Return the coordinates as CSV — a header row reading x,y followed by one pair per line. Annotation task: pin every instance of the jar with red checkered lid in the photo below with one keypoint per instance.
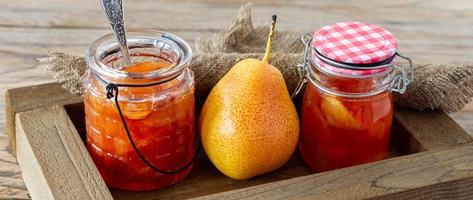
x,y
347,108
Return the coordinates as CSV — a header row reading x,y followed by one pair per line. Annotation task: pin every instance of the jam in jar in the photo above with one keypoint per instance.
x,y
347,108
159,116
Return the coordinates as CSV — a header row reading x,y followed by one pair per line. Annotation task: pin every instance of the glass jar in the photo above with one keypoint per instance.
x,y
347,108
156,100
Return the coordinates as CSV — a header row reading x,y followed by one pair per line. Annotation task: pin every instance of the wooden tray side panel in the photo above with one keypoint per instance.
x,y
458,189
437,174
27,98
31,169
54,159
417,131
205,179
51,146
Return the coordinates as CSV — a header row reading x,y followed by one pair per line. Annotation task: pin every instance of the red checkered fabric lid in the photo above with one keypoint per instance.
x,y
354,43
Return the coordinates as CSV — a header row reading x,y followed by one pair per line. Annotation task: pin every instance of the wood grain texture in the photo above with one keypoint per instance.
x,y
437,174
465,119
31,97
204,178
427,130
429,31
53,158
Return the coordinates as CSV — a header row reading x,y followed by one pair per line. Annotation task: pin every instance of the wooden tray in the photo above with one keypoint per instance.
x,y
46,128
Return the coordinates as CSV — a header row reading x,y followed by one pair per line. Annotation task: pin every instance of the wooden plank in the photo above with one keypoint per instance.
x,y
415,131
53,158
436,174
464,118
188,188
211,14
11,183
31,97
415,176
193,186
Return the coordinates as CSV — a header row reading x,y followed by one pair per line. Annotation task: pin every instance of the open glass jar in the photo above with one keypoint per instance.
x,y
347,108
140,117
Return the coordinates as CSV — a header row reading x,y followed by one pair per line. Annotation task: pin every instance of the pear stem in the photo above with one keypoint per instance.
x,y
270,40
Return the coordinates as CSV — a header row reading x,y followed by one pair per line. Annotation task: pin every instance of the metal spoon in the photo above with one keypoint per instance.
x,y
114,11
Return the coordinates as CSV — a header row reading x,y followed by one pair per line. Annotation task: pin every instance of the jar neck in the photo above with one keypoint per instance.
x,y
104,58
346,82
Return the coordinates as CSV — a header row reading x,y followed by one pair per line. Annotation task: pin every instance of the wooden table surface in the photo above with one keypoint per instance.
x,y
434,31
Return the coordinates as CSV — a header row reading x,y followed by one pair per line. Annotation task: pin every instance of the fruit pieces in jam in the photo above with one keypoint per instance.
x,y
340,132
161,122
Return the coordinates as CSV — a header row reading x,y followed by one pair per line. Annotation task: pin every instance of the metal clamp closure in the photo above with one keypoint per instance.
x,y
404,77
302,68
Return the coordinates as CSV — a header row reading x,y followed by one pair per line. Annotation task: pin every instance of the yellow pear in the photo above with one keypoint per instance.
x,y
248,124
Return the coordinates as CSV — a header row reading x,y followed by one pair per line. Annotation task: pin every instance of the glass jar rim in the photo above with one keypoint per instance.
x,y
96,50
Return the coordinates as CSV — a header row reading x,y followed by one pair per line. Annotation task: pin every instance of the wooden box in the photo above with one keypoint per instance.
x,y
432,157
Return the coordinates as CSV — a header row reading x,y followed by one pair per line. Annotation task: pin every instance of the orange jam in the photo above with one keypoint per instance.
x,y
340,131
161,122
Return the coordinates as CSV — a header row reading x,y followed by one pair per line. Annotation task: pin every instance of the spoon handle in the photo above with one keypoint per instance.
x,y
114,11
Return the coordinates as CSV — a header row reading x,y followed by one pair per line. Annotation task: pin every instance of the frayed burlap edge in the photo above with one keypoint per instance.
x,y
445,87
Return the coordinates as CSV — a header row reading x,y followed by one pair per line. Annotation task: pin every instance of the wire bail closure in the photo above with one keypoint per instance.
x,y
112,91
306,38
399,83
403,79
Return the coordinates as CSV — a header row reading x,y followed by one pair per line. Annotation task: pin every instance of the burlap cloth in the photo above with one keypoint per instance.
x,y
445,87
